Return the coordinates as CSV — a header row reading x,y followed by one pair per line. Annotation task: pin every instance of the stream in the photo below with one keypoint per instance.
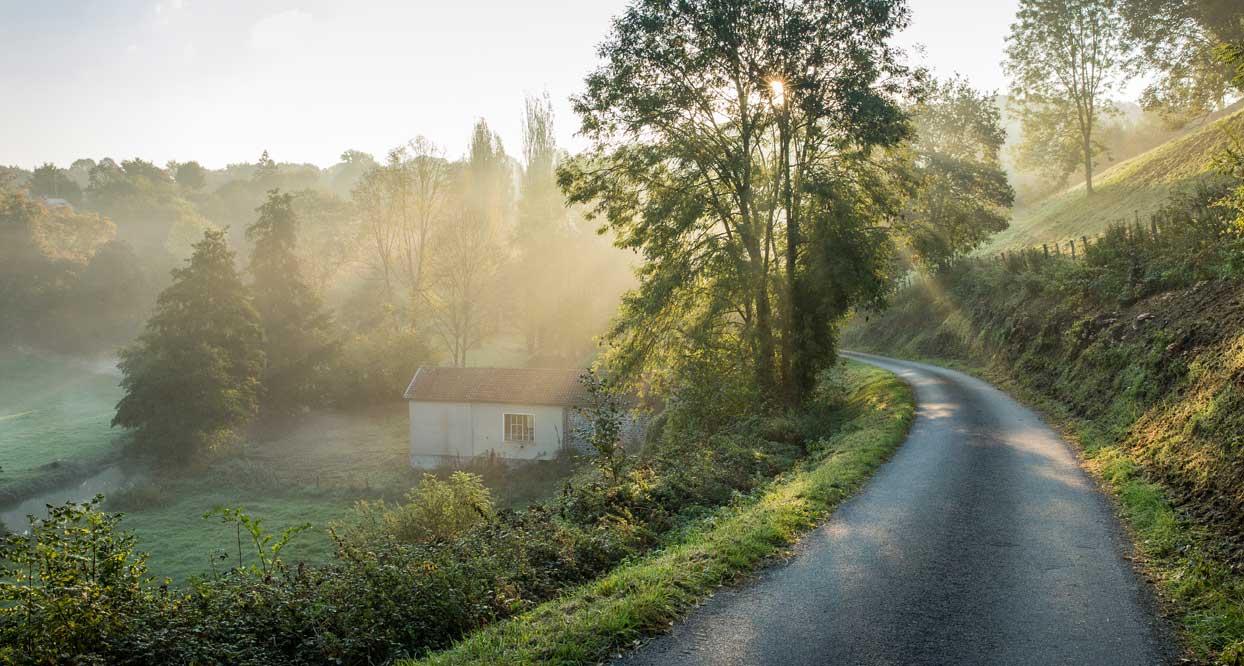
x,y
13,516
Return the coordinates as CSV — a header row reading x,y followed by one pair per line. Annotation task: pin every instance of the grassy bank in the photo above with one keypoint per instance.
x,y
643,597
1137,186
1150,389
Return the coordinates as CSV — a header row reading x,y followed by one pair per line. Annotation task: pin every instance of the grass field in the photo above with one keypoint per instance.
x,y
54,413
54,416
1136,186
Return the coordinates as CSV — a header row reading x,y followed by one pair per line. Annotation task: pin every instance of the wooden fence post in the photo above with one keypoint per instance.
x,y
1073,247
1153,226
1084,244
1046,249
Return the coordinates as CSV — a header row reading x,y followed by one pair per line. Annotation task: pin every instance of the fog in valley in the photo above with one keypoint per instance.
x,y
485,332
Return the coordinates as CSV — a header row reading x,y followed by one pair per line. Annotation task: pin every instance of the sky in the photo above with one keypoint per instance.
x,y
220,81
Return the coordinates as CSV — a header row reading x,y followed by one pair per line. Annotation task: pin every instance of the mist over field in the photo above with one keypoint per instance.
x,y
372,333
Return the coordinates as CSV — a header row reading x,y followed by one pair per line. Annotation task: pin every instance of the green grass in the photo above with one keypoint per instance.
x,y
645,596
54,420
182,543
1139,185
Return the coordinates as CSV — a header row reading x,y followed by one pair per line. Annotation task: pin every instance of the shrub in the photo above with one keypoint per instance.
x,y
434,511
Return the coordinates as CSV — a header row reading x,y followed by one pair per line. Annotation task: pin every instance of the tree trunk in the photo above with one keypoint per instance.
x,y
765,345
1088,163
791,384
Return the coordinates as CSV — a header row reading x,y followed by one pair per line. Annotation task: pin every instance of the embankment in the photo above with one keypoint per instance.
x,y
1149,378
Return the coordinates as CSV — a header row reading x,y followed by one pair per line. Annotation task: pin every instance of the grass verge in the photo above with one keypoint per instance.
x,y
643,597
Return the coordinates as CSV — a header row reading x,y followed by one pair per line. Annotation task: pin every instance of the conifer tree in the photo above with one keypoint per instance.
x,y
297,330
192,379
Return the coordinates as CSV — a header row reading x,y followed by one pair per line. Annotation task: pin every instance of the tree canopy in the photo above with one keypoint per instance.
x,y
192,380
961,195
1064,58
732,148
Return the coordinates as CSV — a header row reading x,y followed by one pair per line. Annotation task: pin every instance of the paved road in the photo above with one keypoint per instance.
x,y
981,542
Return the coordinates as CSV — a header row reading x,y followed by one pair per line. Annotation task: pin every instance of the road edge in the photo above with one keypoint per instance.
x,y
644,598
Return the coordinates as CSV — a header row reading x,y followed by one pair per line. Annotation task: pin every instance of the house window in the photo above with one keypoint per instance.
x,y
520,428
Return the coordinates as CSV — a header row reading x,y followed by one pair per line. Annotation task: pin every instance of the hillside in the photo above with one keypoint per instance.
x,y
1138,185
1138,352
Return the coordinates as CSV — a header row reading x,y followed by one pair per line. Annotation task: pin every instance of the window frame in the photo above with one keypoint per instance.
x,y
505,427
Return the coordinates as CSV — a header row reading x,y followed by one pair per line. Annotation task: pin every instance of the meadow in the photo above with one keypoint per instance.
x,y
54,416
311,469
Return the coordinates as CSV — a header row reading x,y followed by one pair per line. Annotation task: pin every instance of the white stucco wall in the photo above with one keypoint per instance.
x,y
443,431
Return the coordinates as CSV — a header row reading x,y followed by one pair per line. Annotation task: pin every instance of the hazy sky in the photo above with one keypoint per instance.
x,y
221,80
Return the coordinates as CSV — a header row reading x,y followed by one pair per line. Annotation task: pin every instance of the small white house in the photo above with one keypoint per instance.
x,y
512,413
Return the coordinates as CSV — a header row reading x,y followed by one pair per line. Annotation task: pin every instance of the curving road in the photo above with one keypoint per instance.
x,y
981,542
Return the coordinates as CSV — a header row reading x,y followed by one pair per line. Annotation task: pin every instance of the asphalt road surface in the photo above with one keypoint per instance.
x,y
981,542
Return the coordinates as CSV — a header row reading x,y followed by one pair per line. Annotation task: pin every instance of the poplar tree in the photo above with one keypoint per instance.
x,y
297,330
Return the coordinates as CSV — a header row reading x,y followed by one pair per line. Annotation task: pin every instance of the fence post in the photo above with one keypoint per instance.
x,y
1073,247
1046,249
1153,226
1084,244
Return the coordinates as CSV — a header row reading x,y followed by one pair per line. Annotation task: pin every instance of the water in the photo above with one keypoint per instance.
x,y
13,517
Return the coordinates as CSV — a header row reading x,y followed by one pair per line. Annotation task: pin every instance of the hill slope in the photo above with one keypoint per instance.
x,y
1136,186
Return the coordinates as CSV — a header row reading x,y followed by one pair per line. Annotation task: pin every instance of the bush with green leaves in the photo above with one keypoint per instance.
x,y
434,511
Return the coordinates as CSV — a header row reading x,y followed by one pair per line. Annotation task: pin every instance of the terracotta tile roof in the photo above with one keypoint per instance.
x,y
520,386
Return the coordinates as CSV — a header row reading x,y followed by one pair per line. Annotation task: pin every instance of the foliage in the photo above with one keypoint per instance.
x,y
602,428
267,546
1177,40
375,366
49,182
1231,159
147,207
193,378
435,511
52,259
1064,58
298,332
470,251
400,204
730,145
69,586
555,252
962,194
191,175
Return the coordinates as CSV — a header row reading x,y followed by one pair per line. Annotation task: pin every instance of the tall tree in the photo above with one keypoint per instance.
x,y
49,182
541,238
192,380
1064,58
730,143
961,190
469,251
43,251
191,175
400,204
468,255
297,330
1176,40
